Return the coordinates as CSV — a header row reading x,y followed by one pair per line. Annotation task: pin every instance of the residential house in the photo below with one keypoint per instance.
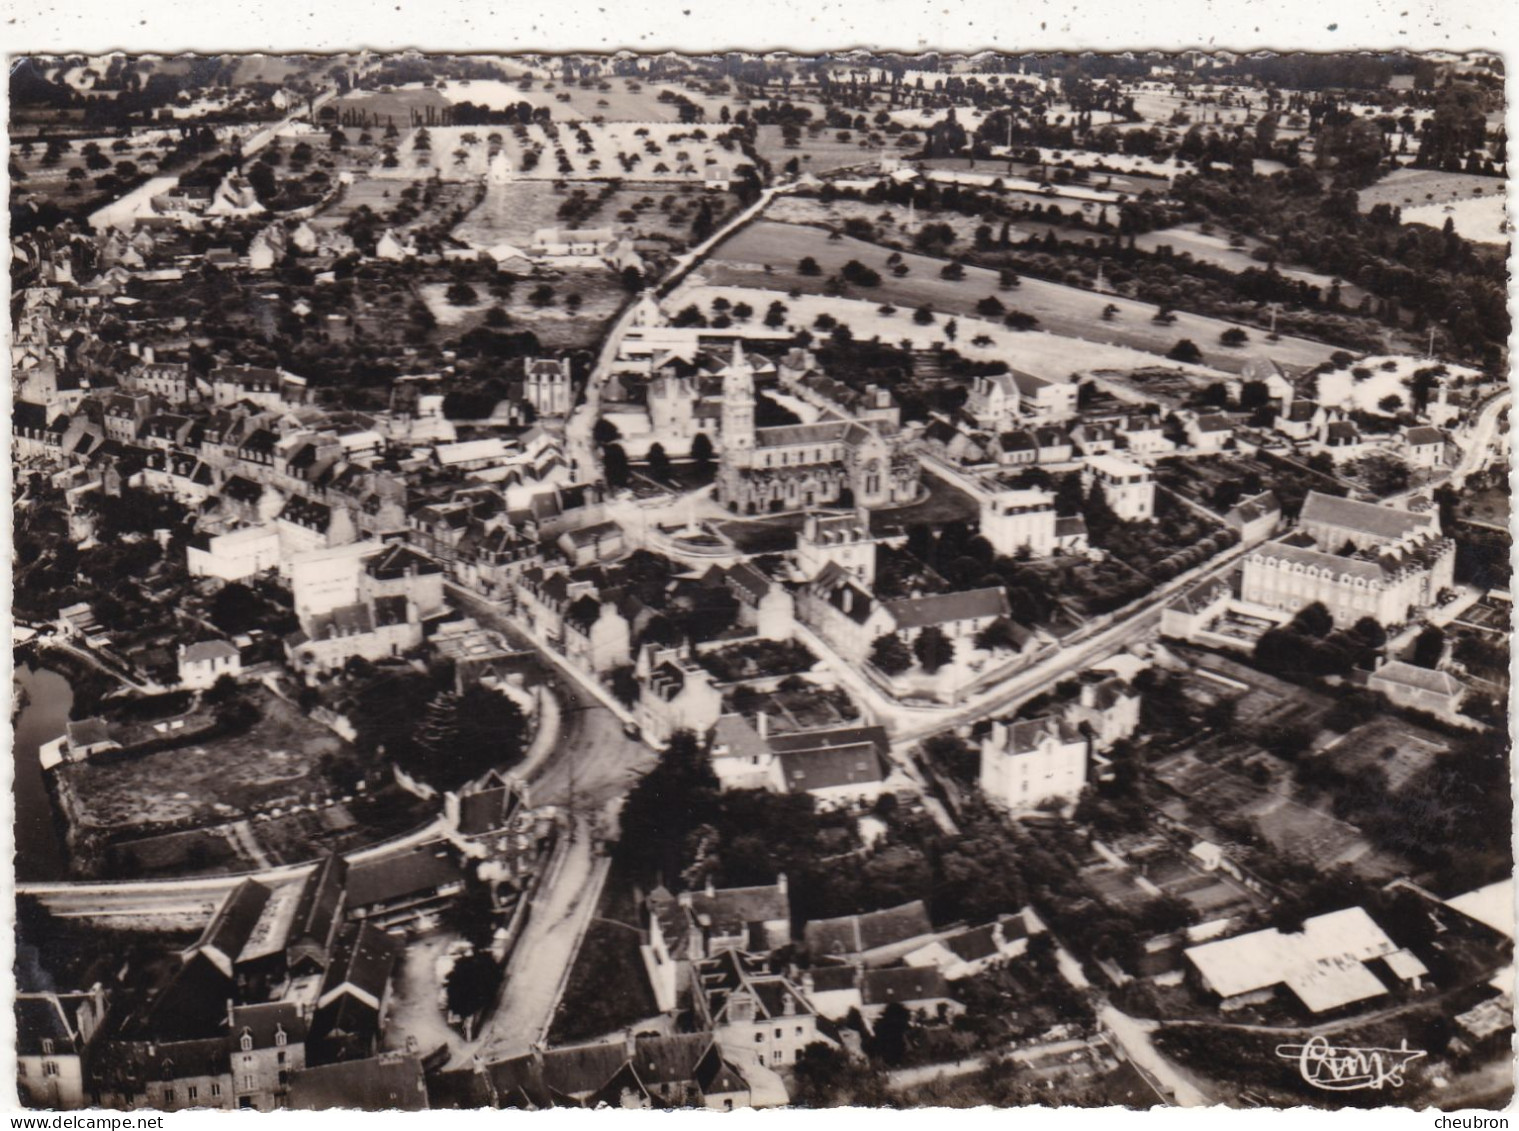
x,y
1208,432
203,663
53,1033
679,1070
1255,518
759,1018
839,766
596,635
389,1082
844,539
763,605
1015,519
674,694
600,542
548,387
973,950
1128,487
1425,447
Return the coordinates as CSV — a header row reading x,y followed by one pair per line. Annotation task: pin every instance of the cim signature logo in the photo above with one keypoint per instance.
x,y
1350,1069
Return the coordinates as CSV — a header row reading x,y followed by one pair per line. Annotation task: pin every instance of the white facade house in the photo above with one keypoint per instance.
x,y
1128,487
203,663
1015,518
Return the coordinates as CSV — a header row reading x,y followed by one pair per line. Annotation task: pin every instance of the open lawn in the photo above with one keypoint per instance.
x,y
275,762
512,211
1066,311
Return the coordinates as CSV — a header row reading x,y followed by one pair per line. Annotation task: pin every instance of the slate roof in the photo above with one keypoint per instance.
x,y
204,651
233,923
414,873
903,984
1423,679
321,899
948,608
378,1084
856,765
1386,523
1424,435
856,934
731,910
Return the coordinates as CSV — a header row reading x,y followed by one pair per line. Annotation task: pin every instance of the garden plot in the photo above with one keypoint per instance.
x,y
279,758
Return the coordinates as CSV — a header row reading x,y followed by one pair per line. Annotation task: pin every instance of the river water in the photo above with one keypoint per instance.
x,y
40,852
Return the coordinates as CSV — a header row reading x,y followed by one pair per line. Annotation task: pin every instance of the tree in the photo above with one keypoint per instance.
x,y
933,649
472,986
1185,351
923,316
541,295
808,266
1234,336
604,431
827,1076
998,634
889,1040
461,294
1390,404
701,452
615,462
1313,620
775,316
888,653
1429,647
659,462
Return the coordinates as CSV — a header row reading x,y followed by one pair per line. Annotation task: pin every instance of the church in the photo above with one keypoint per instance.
x,y
832,462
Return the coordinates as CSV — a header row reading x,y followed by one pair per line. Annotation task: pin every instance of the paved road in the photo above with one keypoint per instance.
x,y
1481,447
561,910
1133,1037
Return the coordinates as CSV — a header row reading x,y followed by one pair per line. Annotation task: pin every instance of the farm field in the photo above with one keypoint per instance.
x,y
1427,196
654,152
817,155
513,210
1061,310
1483,220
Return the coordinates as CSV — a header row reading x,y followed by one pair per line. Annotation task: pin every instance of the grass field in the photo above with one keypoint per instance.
x,y
1215,249
512,211
1061,310
1427,196
818,155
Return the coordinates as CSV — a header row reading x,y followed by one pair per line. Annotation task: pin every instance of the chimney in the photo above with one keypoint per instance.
x,y
1089,695
711,891
629,1044
780,882
135,349
999,940
808,985
147,355
789,1006
230,1009
762,725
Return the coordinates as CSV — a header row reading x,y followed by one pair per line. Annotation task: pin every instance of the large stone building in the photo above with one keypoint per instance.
x,y
800,466
1356,559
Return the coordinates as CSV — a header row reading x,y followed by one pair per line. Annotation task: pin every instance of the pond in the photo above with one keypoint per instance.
x,y
40,851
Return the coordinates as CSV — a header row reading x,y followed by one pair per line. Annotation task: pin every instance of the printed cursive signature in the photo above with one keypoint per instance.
x,y
1349,1069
